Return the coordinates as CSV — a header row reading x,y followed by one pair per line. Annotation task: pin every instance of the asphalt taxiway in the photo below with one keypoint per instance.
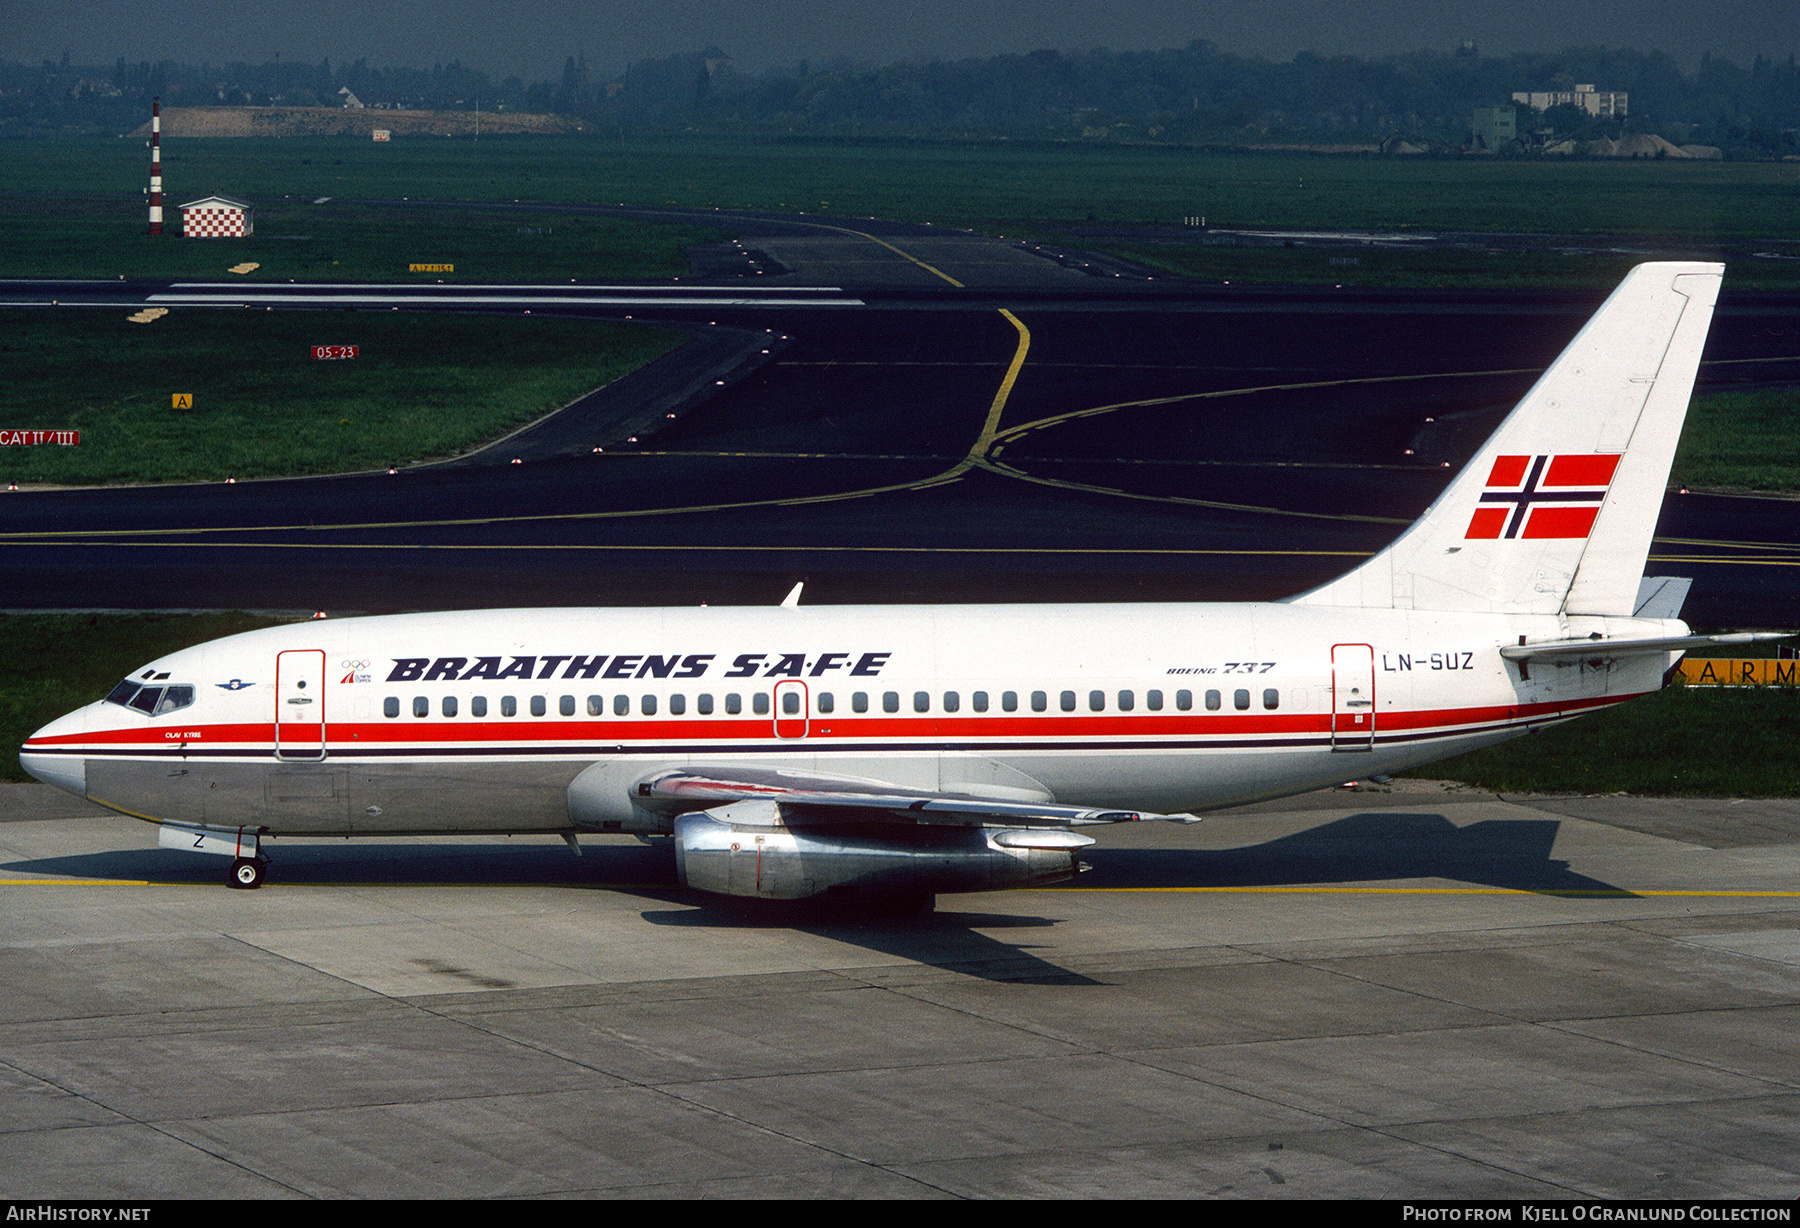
x,y
939,417
1414,994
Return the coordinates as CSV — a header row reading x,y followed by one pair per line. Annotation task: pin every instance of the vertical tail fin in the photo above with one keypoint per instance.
x,y
1556,512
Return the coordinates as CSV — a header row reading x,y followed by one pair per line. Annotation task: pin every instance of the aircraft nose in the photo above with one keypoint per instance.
x,y
45,757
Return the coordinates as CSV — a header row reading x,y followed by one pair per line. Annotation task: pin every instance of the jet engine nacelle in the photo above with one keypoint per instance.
x,y
749,849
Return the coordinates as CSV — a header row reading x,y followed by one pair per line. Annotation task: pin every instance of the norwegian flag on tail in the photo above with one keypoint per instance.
x,y
1543,496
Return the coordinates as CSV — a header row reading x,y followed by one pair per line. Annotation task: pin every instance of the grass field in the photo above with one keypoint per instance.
x,y
55,663
1681,742
1742,441
422,385
995,186
300,241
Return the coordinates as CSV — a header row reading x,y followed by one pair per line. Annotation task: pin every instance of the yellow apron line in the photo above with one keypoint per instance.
x,y
1065,484
1595,893
74,882
884,243
1619,893
1059,550
1093,411
1724,545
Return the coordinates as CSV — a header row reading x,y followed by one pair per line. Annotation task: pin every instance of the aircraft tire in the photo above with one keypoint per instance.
x,y
246,874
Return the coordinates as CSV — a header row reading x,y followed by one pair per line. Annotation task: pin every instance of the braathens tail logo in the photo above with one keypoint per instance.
x,y
1542,496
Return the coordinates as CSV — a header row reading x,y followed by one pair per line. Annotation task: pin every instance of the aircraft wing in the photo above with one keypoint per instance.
x,y
846,797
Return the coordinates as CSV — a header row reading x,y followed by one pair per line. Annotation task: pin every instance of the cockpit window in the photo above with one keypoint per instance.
x,y
151,700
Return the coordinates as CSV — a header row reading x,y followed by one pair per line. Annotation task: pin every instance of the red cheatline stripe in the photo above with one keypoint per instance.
x,y
527,732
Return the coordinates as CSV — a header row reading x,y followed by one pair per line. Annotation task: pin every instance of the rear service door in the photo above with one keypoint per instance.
x,y
1352,697
300,704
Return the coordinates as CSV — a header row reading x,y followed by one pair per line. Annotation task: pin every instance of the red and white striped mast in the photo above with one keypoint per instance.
x,y
156,166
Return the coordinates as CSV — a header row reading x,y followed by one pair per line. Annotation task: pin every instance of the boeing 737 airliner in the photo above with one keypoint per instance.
x,y
901,751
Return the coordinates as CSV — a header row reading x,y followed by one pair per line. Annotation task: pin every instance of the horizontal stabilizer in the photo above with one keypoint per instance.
x,y
1551,650
699,788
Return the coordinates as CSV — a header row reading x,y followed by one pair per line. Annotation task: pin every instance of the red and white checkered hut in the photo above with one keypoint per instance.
x,y
217,217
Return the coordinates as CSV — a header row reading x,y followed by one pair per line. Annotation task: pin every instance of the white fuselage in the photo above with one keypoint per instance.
x,y
467,722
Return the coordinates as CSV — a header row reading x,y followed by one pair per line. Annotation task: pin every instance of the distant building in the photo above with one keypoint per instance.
x,y
1608,103
351,101
217,217
1495,127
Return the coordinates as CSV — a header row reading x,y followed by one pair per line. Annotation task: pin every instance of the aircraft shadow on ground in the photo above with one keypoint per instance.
x,y
1511,854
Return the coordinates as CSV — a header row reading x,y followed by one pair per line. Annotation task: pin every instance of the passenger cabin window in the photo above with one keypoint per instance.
x,y
538,707
596,705
826,702
647,705
734,703
1127,701
478,706
1040,702
1068,701
759,703
421,706
449,705
921,701
621,705
1153,700
1240,699
952,701
509,706
859,701
1271,698
677,705
1212,701
890,701
390,706
703,704
1184,700
1009,701
1096,701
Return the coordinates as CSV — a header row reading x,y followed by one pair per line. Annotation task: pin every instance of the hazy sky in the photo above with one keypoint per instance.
x,y
530,38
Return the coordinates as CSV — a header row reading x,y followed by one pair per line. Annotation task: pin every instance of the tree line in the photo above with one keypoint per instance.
x,y
1197,94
